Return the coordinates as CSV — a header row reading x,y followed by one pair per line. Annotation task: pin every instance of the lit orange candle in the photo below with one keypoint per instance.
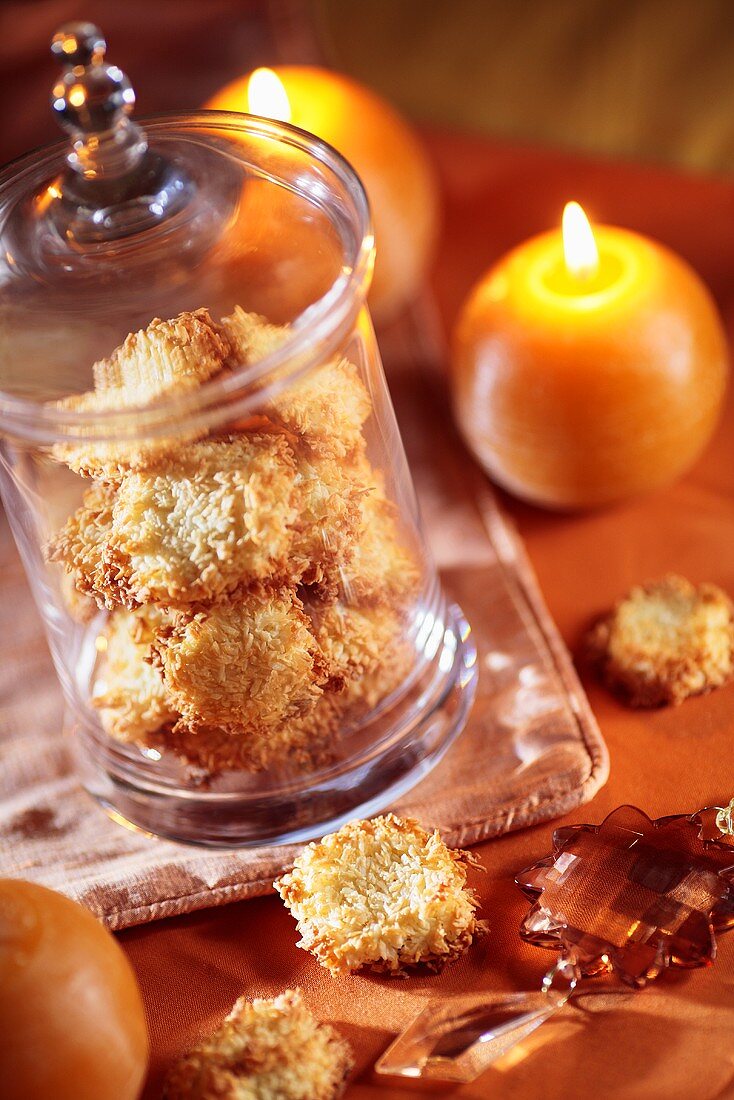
x,y
378,142
588,366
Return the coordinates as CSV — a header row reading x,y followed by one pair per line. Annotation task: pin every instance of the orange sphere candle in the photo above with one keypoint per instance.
x,y
379,143
72,1022
588,366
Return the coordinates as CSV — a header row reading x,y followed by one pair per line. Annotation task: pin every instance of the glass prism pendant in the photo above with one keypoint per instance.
x,y
629,897
457,1039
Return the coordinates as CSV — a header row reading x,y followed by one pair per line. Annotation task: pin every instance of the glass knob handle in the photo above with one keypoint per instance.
x,y
114,184
92,101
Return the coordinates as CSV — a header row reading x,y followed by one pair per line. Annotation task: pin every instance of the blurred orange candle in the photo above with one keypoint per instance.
x,y
589,366
379,144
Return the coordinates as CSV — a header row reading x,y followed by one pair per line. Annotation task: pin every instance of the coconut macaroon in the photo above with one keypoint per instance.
x,y
666,640
219,517
242,665
228,513
165,359
129,691
326,408
265,1050
382,570
381,895
136,708
80,547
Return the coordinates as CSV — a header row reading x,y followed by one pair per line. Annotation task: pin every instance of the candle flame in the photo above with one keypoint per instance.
x,y
579,246
266,96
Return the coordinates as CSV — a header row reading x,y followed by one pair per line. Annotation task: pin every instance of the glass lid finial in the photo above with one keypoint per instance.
x,y
92,101
114,185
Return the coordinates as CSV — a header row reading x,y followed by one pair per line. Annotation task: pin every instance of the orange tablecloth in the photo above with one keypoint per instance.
x,y
675,1041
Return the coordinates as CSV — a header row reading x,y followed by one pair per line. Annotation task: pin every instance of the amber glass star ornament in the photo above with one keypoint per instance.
x,y
629,896
632,895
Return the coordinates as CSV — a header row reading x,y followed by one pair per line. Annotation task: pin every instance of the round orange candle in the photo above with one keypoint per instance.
x,y
588,366
72,1021
378,142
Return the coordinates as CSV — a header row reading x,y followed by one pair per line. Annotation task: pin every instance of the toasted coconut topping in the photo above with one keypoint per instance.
x,y
166,358
326,409
383,895
666,640
382,570
357,642
130,691
81,607
265,1050
300,743
325,531
243,665
111,462
251,337
80,546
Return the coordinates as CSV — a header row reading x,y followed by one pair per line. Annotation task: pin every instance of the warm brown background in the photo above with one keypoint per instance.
x,y
649,80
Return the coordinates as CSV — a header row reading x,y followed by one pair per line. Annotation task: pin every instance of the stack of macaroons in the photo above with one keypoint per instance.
x,y
257,579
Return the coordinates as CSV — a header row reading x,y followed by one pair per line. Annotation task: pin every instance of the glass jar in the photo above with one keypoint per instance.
x,y
204,476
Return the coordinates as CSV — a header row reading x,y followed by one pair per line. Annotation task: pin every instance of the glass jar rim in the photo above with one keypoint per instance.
x,y
312,337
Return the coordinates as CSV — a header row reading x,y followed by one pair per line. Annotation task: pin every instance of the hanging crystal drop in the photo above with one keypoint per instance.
x,y
458,1039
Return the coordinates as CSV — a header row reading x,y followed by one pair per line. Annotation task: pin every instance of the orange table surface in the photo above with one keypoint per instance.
x,y
674,1041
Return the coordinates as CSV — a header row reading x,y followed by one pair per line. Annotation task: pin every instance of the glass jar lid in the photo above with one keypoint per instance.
x,y
125,223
